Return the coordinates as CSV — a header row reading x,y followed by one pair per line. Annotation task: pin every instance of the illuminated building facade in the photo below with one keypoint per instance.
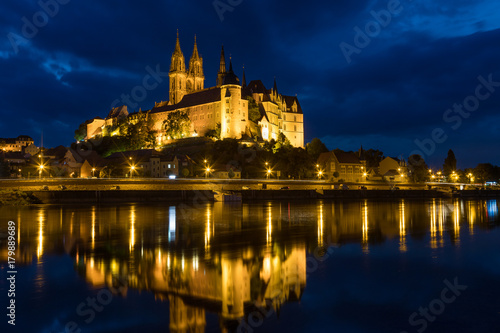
x,y
225,105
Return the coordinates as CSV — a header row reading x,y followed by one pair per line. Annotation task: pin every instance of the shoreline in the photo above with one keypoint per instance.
x,y
203,196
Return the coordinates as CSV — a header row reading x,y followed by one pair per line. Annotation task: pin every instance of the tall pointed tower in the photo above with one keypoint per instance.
x,y
222,68
244,79
177,74
195,78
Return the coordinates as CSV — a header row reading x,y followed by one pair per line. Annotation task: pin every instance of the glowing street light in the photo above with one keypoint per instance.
x,y
470,177
207,171
93,170
268,173
132,169
41,170
320,174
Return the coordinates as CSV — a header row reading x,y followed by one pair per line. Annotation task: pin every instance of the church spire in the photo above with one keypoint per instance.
x,y
177,74
275,88
196,78
222,68
178,46
244,78
195,50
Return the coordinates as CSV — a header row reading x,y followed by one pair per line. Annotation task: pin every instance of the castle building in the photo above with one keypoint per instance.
x,y
224,106
18,144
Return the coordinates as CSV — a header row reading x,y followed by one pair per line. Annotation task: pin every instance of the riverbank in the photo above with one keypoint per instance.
x,y
17,198
194,196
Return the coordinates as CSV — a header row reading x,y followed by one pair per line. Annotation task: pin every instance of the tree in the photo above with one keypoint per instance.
x,y
315,148
281,143
81,132
253,110
214,133
450,163
177,125
418,168
373,158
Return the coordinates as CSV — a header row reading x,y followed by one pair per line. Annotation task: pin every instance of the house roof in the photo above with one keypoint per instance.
x,y
91,156
391,173
346,157
324,157
197,98
58,152
13,155
115,112
289,100
342,157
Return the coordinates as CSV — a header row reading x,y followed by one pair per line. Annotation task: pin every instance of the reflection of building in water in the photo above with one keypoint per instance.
x,y
226,284
402,227
227,258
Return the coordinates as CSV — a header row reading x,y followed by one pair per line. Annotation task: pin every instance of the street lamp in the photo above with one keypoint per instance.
x,y
470,177
320,174
40,172
93,170
132,169
268,173
207,171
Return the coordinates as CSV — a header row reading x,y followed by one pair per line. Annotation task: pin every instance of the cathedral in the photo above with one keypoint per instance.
x,y
226,105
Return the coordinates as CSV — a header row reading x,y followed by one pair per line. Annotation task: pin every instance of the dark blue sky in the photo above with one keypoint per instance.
x,y
384,89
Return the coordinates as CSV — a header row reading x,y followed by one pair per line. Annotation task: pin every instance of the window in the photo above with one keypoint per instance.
x,y
169,166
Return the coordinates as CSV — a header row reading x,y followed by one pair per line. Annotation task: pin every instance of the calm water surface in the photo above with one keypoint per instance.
x,y
320,266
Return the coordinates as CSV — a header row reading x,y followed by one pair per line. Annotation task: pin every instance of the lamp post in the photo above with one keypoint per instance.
x,y
470,177
320,174
207,171
268,173
132,168
40,172
93,170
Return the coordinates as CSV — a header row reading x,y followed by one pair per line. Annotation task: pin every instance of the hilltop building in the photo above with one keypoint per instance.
x,y
224,106
16,144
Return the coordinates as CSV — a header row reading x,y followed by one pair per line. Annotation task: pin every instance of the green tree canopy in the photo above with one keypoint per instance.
x,y
450,163
177,125
81,132
315,148
418,168
282,143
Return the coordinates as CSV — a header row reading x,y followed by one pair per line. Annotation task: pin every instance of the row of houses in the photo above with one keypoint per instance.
x,y
62,161
338,165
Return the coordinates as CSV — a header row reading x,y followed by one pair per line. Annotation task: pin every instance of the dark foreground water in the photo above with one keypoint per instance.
x,y
357,266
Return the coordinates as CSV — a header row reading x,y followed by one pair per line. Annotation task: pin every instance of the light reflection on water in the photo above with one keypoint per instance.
x,y
222,258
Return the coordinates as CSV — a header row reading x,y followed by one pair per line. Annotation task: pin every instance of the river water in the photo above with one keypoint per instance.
x,y
280,266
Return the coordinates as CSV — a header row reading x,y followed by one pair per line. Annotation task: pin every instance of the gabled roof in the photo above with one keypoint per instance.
x,y
257,87
342,157
289,100
346,157
197,98
115,112
58,152
91,156
324,157
263,113
391,173
13,155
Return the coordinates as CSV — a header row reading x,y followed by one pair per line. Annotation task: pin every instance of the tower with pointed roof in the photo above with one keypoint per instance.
x,y
195,77
177,74
222,68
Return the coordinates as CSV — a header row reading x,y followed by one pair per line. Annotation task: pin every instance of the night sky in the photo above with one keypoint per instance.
x,y
383,85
